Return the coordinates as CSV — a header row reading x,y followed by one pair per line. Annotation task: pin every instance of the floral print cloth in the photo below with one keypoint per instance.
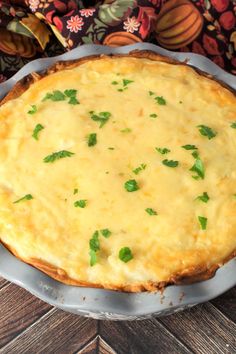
x,y
31,29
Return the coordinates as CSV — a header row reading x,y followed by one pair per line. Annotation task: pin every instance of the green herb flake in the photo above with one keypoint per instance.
x,y
55,96
195,154
160,100
180,102
189,147
151,211
126,82
126,130
204,197
70,93
203,222
75,191
101,117
111,148
151,93
33,109
198,167
57,155
93,258
26,197
92,139
94,246
73,100
140,168
106,233
162,151
206,131
36,131
80,203
153,115
170,163
233,125
131,185
125,254
120,90
115,83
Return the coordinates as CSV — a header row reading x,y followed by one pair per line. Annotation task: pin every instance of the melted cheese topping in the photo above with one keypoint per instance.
x,y
50,228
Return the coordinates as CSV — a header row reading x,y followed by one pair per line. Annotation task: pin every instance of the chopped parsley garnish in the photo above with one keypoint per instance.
x,y
94,246
189,147
131,185
198,167
80,203
153,115
206,131
125,254
33,109
111,148
203,222
170,163
26,197
139,169
106,233
57,155
126,82
162,151
151,93
115,83
204,197
160,100
195,154
126,130
101,117
233,125
62,96
75,191
151,211
36,131
92,139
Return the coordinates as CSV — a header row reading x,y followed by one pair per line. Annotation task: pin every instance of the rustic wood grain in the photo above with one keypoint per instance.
x,y
3,283
204,329
19,309
227,304
97,345
57,332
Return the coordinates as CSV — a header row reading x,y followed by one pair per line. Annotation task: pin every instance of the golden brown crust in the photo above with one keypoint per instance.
x,y
188,276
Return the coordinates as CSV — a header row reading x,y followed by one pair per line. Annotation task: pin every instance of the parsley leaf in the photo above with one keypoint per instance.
x,y
204,197
139,168
160,100
73,100
131,185
206,131
125,254
26,197
203,222
55,96
153,115
198,167
80,203
36,131
33,109
115,83
101,117
233,125
106,233
57,155
189,147
93,258
75,191
70,93
151,211
170,163
94,246
162,151
151,93
126,130
127,82
92,139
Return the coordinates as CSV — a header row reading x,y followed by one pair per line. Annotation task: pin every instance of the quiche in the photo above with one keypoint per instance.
x,y
119,172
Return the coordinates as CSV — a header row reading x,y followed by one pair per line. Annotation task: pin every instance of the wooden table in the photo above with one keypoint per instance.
x,y
30,326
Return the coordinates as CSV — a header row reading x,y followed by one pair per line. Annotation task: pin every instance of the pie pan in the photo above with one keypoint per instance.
x,y
100,303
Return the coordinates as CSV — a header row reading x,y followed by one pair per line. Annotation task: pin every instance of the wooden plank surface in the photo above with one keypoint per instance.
x,y
30,326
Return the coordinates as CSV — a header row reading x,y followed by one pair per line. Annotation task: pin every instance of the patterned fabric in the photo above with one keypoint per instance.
x,y
31,29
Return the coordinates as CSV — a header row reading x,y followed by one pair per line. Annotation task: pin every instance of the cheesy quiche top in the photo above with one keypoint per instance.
x,y
119,172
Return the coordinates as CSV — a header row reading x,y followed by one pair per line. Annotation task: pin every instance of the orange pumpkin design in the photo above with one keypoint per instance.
x,y
117,39
178,24
15,44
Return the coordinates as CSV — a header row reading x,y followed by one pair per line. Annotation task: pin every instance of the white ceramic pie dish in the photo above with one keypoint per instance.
x,y
100,303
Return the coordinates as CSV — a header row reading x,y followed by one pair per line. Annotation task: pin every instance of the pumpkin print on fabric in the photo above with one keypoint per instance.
x,y
178,24
121,38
